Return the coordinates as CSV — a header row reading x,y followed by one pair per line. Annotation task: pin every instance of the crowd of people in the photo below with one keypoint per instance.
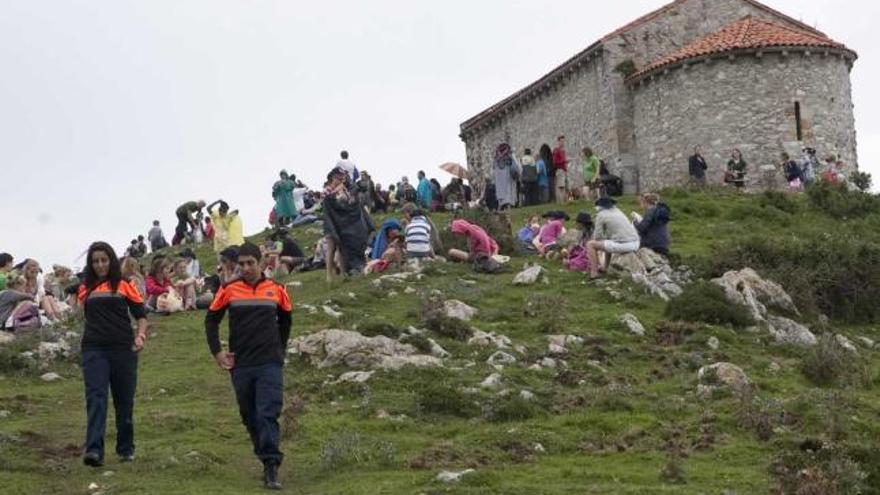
x,y
115,295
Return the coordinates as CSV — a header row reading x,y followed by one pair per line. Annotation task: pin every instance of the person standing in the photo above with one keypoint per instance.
x,y
423,193
259,328
529,178
591,173
348,166
156,237
736,170
109,351
697,167
545,178
185,219
282,192
227,226
506,176
560,170
793,173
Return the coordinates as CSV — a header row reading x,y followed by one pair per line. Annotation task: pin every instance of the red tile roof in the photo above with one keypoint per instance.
x,y
748,33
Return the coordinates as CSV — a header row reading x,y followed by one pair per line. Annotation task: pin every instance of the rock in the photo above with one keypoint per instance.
x,y
50,351
354,377
633,324
724,374
535,367
93,486
352,295
331,312
748,288
491,381
334,347
4,413
713,343
409,290
790,332
50,377
566,340
539,448
490,339
397,278
415,331
530,275
457,309
865,341
652,272
437,350
295,283
548,362
596,365
501,357
774,367
452,476
392,293
556,349
526,395
6,337
847,344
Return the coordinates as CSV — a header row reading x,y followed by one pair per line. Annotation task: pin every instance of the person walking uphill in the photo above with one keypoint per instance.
x,y
185,219
109,351
259,327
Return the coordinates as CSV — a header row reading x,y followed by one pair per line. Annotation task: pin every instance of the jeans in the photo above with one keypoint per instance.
x,y
259,391
116,368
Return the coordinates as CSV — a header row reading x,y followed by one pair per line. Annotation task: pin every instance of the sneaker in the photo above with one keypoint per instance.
x,y
126,458
93,459
270,476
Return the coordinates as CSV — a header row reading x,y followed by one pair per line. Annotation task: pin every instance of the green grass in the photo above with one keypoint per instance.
x,y
601,432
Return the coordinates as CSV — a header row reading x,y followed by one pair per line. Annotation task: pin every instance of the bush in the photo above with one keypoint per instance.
x,y
779,200
445,400
419,341
451,328
373,328
353,449
838,202
706,302
512,407
862,180
11,360
827,362
837,275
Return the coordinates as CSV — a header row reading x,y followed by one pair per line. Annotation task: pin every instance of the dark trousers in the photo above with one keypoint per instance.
x,y
530,192
116,368
259,391
180,230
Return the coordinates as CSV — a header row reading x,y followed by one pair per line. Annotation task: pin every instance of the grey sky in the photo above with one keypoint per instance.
x,y
114,112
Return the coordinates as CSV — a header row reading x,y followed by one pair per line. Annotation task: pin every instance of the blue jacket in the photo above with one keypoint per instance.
x,y
653,229
423,193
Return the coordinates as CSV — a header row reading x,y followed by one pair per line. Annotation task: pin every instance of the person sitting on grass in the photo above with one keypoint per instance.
x,y
11,298
131,273
158,281
576,259
185,284
479,242
614,234
653,227
527,235
418,234
554,226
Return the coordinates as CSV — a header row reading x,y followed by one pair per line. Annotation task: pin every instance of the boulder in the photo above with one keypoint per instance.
x,y
846,344
492,381
501,358
491,339
723,375
530,276
342,347
50,351
457,309
437,350
632,324
652,272
748,288
526,395
790,332
866,341
452,476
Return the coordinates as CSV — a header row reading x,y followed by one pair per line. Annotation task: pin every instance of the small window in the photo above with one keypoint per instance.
x,y
797,121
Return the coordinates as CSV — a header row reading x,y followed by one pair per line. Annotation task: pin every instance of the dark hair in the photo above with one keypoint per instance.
x,y
421,173
546,154
5,259
134,241
114,276
344,155
249,249
140,237
528,151
156,223
560,137
230,253
224,206
587,151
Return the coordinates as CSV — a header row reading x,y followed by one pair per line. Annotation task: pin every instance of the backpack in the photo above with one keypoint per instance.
x,y
26,317
409,194
529,173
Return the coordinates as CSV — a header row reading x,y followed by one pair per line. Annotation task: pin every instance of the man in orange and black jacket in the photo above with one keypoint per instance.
x,y
259,327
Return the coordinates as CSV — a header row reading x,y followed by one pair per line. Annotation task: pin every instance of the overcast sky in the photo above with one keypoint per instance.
x,y
114,112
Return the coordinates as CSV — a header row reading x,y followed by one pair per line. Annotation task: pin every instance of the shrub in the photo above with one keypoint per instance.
x,y
419,341
512,407
827,362
837,275
780,201
838,202
549,313
373,328
353,449
445,400
11,359
706,302
862,180
626,68
451,328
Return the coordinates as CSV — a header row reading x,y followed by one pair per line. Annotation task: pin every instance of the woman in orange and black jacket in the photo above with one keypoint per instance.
x,y
109,351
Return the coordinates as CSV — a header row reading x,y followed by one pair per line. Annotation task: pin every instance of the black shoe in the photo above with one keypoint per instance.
x,y
93,459
126,457
270,476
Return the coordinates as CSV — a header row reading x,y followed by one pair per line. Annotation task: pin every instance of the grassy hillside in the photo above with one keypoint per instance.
x,y
622,418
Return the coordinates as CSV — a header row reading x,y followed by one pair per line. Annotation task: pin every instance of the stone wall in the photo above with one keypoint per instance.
x,y
578,108
746,103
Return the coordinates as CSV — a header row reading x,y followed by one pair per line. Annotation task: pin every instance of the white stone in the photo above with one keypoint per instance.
x,y
565,340
535,367
331,312
491,381
452,476
50,351
713,343
329,348
6,337
526,395
93,486
724,374
437,350
548,362
539,448
596,365
491,339
409,290
847,344
529,276
50,377
4,413
774,367
457,309
633,324
748,288
867,342
556,349
790,332
501,358
354,377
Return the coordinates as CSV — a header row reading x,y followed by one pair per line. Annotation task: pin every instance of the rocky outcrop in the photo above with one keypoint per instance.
x,y
342,347
746,287
459,310
531,275
652,272
632,324
721,375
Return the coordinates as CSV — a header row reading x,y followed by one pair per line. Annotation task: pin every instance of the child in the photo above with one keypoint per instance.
x,y
479,242
185,285
553,227
526,236
577,260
